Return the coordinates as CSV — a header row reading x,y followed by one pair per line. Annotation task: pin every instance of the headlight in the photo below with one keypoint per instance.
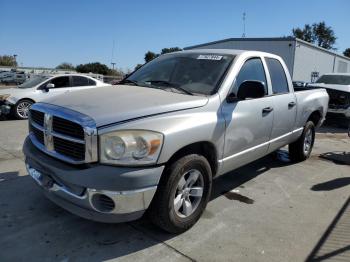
x,y
130,147
4,97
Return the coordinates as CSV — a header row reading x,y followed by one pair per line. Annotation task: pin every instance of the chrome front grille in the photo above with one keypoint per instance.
x,y
38,117
66,127
63,133
69,148
39,135
338,99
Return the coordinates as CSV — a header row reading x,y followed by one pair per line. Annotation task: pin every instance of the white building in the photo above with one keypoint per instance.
x,y
305,61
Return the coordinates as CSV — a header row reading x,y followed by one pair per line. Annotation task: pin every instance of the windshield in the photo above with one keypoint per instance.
x,y
33,81
189,73
334,79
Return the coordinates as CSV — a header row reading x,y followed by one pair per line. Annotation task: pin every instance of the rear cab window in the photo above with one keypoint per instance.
x,y
278,76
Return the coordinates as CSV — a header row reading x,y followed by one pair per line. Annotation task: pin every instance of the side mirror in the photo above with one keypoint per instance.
x,y
251,89
47,87
50,85
231,98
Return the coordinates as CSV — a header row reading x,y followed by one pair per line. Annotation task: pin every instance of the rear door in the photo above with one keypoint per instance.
x,y
285,104
82,82
248,122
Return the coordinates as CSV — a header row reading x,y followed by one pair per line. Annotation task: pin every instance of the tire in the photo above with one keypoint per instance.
x,y
163,212
21,109
301,149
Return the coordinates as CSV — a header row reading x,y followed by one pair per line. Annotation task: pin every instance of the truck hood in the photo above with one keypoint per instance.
x,y
344,88
112,104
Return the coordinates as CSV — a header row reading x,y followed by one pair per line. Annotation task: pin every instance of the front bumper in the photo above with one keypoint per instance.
x,y
96,192
340,112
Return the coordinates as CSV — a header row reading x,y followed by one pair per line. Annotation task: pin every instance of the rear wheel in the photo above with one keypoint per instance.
x,y
182,194
301,149
21,109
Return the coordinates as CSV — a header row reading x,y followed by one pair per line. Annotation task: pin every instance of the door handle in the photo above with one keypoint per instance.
x,y
291,104
267,109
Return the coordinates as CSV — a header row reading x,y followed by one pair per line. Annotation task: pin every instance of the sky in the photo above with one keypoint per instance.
x,y
47,33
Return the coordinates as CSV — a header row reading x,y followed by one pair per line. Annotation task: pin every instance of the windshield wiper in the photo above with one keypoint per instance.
x,y
128,81
169,84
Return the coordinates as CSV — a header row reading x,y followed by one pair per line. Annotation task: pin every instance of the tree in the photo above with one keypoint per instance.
x,y
170,50
115,72
66,66
347,52
319,34
149,56
138,66
324,35
8,60
305,34
96,68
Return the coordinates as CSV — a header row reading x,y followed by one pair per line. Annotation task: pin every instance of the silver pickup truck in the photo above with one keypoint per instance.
x,y
156,141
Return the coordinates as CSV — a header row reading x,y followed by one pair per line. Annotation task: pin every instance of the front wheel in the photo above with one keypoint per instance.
x,y
21,109
301,149
182,194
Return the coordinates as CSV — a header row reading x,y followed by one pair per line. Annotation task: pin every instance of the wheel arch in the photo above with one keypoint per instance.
x,y
204,148
315,117
26,98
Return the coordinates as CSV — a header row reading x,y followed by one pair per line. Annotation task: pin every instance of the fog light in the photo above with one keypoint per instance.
x,y
102,203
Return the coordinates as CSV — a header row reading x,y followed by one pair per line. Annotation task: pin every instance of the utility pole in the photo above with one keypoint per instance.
x,y
14,56
112,59
243,35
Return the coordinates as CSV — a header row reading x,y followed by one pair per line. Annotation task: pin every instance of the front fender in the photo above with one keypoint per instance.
x,y
183,128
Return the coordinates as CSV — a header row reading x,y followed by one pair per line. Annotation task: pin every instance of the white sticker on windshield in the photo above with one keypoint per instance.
x,y
210,57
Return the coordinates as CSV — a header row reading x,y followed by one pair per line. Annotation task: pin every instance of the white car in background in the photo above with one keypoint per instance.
x,y
19,99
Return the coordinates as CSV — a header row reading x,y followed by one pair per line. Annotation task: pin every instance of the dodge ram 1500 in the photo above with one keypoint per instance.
x,y
157,140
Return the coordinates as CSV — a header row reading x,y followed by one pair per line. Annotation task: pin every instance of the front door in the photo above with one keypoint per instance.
x,y
62,85
248,122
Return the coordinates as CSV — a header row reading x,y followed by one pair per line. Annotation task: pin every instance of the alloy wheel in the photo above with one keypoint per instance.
x,y
188,193
308,141
23,109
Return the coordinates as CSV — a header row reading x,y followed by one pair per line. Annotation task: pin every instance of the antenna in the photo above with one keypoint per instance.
x,y
112,62
243,35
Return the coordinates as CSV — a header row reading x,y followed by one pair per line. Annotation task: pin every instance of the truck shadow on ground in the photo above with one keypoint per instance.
x,y
32,226
225,183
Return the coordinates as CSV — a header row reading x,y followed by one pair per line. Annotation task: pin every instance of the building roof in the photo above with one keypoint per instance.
x,y
289,38
214,51
286,39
